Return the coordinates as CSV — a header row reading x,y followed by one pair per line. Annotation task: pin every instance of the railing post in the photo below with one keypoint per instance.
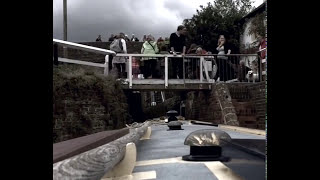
x,y
162,96
106,65
201,68
55,54
184,72
260,67
206,70
166,71
130,71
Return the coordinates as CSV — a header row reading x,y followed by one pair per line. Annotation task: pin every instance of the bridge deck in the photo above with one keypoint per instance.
x,y
173,84
156,84
161,157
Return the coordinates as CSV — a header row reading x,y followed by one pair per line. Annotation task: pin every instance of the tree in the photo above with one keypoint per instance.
x,y
222,17
258,27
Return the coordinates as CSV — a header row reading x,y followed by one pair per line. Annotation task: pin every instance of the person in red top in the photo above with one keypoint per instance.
x,y
262,46
135,66
201,51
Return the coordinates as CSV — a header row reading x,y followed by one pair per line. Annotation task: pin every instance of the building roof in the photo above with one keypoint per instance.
x,y
257,10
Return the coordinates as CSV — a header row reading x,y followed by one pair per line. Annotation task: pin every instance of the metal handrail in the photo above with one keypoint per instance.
x,y
180,56
83,47
260,64
166,56
72,45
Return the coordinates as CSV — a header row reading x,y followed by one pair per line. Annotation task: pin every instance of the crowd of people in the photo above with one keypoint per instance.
x,y
224,68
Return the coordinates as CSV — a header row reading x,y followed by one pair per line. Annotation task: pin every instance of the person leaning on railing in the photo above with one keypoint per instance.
x,y
178,45
150,63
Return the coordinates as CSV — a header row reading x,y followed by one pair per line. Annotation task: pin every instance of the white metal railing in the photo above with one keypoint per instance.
x,y
203,64
262,63
84,48
203,76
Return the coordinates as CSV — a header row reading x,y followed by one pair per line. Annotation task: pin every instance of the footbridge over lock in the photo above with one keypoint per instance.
x,y
103,156
200,72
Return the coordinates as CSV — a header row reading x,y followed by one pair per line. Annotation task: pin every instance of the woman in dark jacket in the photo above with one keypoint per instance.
x,y
224,68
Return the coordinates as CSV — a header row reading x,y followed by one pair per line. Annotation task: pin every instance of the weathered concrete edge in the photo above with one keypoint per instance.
x,y
248,150
242,129
202,123
95,163
115,134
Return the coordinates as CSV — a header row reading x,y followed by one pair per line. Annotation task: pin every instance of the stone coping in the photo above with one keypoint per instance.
x,y
66,149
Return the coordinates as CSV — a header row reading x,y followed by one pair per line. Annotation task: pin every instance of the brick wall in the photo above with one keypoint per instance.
x,y
85,103
132,47
250,102
258,95
203,106
248,99
79,118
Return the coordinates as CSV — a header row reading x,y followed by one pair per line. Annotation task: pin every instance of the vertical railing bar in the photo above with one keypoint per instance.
x,y
260,68
184,72
210,75
201,69
220,72
130,71
249,64
106,67
229,64
206,70
166,71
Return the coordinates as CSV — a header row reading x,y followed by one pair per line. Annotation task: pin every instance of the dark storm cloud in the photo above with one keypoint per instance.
x,y
89,18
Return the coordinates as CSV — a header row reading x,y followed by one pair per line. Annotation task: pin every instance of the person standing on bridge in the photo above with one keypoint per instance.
x,y
133,38
150,63
144,39
178,45
119,46
222,61
111,38
98,39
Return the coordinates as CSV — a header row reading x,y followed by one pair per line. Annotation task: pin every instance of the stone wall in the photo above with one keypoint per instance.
x,y
132,47
258,96
249,101
85,103
203,106
80,117
244,105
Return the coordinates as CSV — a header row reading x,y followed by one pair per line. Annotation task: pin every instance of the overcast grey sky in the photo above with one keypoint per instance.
x,y
89,18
